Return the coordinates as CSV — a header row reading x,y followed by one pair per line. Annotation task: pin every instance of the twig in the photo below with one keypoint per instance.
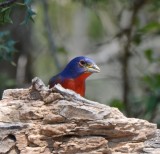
x,y
7,3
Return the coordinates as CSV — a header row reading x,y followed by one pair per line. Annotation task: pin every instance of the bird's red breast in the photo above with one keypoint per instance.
x,y
77,84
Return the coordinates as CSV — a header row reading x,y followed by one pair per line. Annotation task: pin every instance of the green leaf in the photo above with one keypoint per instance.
x,y
27,2
117,103
149,55
7,49
151,103
5,15
155,5
6,81
4,9
137,38
5,33
31,13
95,27
13,63
29,16
153,82
20,4
62,50
152,26
2,47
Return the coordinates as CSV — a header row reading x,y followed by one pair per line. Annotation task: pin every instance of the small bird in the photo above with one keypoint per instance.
x,y
74,74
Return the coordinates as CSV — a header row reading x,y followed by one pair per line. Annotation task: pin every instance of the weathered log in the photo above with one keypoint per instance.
x,y
39,120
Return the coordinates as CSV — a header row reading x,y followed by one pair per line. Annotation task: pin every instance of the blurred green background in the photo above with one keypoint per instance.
x,y
38,38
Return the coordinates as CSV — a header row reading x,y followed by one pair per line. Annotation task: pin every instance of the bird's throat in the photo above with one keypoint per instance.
x,y
83,77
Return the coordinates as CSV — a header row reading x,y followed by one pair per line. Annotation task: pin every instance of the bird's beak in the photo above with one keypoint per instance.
x,y
93,68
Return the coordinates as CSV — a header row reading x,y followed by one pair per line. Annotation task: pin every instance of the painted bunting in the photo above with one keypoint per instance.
x,y
74,74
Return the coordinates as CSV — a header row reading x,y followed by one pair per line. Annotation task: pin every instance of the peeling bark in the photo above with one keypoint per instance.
x,y
39,120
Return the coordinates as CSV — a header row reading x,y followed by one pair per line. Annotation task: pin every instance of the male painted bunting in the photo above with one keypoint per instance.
x,y
74,74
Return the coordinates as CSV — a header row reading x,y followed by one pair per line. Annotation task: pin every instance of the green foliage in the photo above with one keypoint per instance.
x,y
152,98
152,82
5,82
5,15
95,28
7,44
151,103
7,49
27,2
62,50
156,5
151,87
137,38
89,3
117,103
149,55
6,11
150,27
29,12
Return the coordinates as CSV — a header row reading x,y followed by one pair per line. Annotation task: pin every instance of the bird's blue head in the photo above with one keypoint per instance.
x,y
80,65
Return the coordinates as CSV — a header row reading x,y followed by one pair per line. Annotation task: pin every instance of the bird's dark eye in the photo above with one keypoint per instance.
x,y
82,63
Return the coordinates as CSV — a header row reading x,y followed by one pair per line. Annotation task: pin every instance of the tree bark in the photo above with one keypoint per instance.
x,y
39,120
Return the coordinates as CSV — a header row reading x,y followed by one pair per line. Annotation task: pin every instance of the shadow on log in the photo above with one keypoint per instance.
x,y
39,120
